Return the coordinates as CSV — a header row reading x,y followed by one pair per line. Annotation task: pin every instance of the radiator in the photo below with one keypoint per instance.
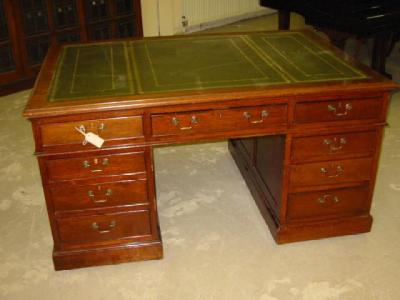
x,y
200,14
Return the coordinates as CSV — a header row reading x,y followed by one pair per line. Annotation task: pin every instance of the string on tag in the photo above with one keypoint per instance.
x,y
90,137
81,129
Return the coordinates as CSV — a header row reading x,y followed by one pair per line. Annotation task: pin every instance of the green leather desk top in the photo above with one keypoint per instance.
x,y
193,63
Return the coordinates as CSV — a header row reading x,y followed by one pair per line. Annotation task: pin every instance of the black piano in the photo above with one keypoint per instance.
x,y
341,19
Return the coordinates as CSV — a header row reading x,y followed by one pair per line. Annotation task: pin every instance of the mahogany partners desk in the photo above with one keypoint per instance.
x,y
305,124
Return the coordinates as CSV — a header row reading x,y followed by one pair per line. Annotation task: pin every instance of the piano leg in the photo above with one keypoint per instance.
x,y
337,38
382,46
284,19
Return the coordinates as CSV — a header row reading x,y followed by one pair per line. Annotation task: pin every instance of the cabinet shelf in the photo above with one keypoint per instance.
x,y
5,43
36,36
67,29
113,19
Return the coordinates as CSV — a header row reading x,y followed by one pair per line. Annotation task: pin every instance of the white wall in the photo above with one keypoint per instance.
x,y
150,17
208,11
163,17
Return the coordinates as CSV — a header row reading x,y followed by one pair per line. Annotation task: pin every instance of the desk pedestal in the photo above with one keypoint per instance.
x,y
311,184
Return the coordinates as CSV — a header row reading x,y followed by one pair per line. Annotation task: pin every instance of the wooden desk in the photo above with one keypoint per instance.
x,y
305,123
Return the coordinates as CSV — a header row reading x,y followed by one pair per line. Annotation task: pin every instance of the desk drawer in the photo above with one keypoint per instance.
x,y
349,201
331,172
107,227
252,117
54,134
333,146
243,118
183,123
80,197
326,111
87,167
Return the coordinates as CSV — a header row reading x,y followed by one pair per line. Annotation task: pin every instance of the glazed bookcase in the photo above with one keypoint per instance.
x,y
29,27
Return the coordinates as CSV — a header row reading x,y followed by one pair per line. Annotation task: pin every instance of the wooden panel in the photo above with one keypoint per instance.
x,y
107,255
248,145
79,197
219,120
333,146
320,173
346,109
108,129
269,163
86,167
320,204
106,227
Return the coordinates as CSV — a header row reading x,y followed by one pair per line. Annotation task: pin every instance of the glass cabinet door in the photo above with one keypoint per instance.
x,y
125,25
29,27
7,62
110,19
126,28
66,21
34,14
98,15
123,7
126,18
65,14
37,49
6,59
36,29
97,10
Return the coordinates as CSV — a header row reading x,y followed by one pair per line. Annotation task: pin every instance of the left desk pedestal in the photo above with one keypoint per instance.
x,y
101,202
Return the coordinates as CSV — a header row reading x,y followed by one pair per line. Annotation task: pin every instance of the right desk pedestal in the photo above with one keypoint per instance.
x,y
312,185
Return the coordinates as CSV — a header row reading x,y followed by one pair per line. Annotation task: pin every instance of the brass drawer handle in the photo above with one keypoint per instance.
x,y
105,162
81,129
96,227
336,172
108,193
248,116
175,121
339,111
325,198
335,144
92,196
101,127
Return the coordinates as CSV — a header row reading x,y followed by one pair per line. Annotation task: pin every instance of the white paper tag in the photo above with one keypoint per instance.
x,y
94,139
90,137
